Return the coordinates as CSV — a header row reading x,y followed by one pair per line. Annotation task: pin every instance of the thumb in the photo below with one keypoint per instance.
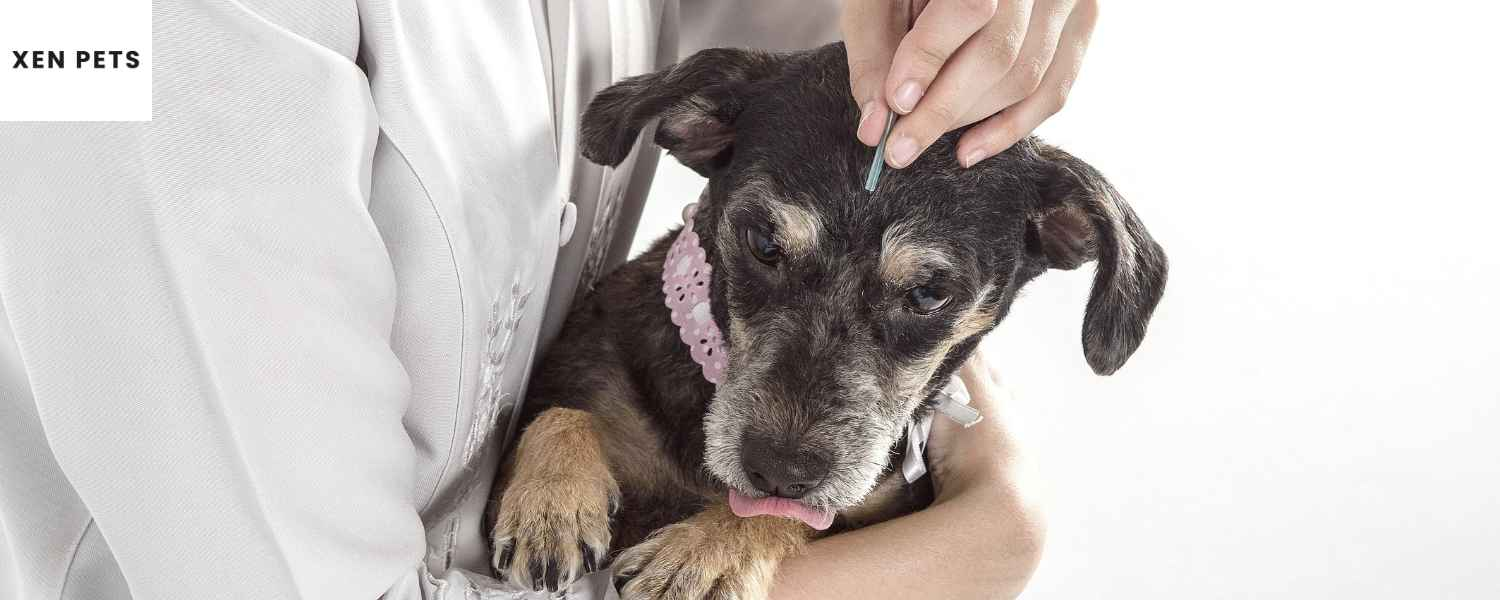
x,y
872,31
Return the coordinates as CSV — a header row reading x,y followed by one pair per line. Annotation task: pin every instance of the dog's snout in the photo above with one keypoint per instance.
x,y
782,469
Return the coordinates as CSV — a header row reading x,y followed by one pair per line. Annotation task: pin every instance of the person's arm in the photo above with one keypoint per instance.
x,y
981,538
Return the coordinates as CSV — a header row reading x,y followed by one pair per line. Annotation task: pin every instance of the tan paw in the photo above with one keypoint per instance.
x,y
708,557
550,532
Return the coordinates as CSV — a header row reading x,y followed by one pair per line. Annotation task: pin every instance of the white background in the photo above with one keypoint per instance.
x,y
1316,412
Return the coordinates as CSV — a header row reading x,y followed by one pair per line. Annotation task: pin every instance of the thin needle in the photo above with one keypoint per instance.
x,y
878,163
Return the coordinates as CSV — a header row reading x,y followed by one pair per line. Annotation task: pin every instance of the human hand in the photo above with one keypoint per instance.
x,y
1007,66
987,456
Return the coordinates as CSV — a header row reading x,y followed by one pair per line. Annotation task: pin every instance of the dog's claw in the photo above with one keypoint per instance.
x,y
590,557
504,549
685,562
548,576
546,536
543,574
713,555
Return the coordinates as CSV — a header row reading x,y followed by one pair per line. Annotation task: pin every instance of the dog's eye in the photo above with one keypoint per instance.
x,y
762,247
925,300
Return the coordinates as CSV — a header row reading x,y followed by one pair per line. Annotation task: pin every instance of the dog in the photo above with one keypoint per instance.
x,y
844,314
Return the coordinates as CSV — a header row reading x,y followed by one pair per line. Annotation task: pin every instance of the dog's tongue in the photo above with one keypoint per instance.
x,y
745,506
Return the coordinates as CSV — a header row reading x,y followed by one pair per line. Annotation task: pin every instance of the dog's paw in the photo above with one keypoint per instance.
x,y
707,559
550,532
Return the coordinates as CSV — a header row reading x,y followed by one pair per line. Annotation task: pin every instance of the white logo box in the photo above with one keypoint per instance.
x,y
100,84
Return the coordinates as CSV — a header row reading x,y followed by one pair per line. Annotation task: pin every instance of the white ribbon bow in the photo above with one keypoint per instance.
x,y
953,402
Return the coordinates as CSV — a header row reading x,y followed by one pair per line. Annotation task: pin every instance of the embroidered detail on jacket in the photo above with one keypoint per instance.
x,y
492,400
500,336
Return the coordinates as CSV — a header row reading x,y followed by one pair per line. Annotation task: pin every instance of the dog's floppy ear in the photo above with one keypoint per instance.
x,y
697,100
1080,218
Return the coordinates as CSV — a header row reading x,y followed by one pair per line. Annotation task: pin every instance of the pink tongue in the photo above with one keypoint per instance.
x,y
745,506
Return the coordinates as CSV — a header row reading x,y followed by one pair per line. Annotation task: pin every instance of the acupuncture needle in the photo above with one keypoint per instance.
x,y
878,164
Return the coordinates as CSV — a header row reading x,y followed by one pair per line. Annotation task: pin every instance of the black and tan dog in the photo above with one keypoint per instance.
x,y
844,312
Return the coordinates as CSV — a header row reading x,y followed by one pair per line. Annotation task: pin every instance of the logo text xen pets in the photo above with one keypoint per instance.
x,y
82,59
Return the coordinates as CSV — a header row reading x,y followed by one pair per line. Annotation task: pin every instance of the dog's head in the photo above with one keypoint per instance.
x,y
846,310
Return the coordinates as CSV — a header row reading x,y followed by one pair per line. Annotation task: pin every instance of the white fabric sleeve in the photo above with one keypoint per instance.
x,y
202,307
764,24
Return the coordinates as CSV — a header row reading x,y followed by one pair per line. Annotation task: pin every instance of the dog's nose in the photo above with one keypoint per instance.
x,y
782,471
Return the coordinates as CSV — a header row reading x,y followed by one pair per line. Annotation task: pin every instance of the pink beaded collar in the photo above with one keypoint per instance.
x,y
685,280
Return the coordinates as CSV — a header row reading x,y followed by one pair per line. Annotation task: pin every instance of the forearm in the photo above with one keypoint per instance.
x,y
981,538
984,543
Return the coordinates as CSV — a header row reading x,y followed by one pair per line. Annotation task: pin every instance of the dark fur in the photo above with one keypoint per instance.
x,y
826,358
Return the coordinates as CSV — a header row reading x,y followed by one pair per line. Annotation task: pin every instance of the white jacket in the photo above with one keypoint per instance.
x,y
266,345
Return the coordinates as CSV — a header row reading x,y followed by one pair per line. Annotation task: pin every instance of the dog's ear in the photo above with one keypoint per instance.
x,y
1080,218
697,99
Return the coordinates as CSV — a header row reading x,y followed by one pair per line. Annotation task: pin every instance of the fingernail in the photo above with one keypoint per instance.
x,y
973,157
864,114
901,151
907,97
